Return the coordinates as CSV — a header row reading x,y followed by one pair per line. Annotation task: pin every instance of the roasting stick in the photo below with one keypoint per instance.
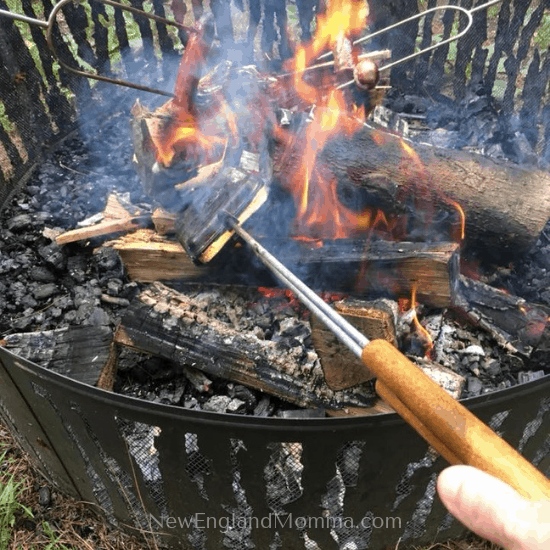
x,y
456,433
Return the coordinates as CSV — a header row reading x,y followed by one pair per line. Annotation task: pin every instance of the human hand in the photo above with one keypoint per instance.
x,y
494,510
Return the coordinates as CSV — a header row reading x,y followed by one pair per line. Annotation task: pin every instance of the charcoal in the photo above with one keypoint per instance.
x,y
19,223
217,403
198,380
529,376
492,368
28,302
264,407
243,394
114,286
236,406
54,256
97,318
41,274
474,385
45,291
76,267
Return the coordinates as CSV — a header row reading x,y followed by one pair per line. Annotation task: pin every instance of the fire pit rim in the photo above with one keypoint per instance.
x,y
248,421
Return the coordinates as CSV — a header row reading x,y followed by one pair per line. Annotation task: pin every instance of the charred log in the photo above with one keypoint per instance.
x,y
79,352
515,324
168,324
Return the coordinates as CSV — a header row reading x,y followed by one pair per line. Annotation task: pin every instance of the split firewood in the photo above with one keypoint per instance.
x,y
376,319
505,206
118,216
79,352
515,324
101,229
381,268
150,257
166,323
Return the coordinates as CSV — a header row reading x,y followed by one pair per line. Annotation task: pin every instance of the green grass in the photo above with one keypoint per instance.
x,y
10,507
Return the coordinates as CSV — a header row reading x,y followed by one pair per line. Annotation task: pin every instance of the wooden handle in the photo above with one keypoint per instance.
x,y
446,424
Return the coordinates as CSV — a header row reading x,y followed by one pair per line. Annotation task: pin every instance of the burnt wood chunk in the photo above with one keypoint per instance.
x,y
505,206
375,319
452,382
515,324
79,352
169,324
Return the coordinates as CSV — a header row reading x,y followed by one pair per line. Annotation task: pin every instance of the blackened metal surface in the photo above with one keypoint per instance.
x,y
207,480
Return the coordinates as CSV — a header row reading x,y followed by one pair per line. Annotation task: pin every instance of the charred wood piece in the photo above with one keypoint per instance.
x,y
79,352
168,324
515,324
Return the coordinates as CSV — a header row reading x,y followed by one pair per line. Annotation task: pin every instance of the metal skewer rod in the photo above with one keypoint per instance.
x,y
343,330
49,26
467,13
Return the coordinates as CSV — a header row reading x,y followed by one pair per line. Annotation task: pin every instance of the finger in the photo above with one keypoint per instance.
x,y
493,510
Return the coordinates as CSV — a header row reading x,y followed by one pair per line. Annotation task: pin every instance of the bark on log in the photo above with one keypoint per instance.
x,y
166,323
505,206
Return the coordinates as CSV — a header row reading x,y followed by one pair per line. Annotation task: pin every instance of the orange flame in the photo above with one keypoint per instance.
x,y
424,334
319,211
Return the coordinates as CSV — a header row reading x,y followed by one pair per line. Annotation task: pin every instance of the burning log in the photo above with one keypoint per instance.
x,y
383,268
505,206
79,352
168,324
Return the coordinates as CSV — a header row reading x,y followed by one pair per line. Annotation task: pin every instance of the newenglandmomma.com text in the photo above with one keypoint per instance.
x,y
272,521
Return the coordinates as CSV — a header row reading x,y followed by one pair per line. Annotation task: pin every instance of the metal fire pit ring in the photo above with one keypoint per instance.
x,y
153,467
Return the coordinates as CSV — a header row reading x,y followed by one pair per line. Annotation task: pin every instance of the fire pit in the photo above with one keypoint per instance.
x,y
198,479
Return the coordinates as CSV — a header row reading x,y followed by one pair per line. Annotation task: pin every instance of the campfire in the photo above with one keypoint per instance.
x,y
377,221
409,239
